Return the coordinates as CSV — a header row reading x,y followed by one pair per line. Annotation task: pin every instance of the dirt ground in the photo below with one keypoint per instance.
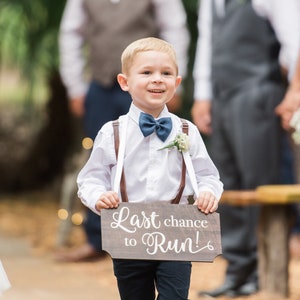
x,y
28,236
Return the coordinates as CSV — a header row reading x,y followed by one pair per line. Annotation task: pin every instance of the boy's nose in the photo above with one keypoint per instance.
x,y
157,77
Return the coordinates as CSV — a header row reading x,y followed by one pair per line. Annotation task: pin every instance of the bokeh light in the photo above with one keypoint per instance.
x,y
87,143
77,219
62,214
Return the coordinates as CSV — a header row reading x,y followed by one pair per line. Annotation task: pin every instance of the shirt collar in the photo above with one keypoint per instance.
x,y
134,113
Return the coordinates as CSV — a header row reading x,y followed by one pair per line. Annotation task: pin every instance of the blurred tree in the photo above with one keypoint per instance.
x,y
28,31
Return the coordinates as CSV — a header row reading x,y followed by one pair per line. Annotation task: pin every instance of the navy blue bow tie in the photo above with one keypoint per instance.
x,y
148,125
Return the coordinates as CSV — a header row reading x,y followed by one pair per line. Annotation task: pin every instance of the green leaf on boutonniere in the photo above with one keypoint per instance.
x,y
181,142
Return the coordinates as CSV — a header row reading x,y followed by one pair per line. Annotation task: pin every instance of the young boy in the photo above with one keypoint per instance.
x,y
152,173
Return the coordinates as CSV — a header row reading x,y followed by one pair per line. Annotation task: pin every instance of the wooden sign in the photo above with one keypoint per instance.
x,y
160,231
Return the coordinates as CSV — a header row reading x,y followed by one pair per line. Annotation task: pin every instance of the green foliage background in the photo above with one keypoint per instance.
x,y
28,33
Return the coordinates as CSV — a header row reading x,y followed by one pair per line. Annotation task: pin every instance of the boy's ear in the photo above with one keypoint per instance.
x,y
178,81
122,80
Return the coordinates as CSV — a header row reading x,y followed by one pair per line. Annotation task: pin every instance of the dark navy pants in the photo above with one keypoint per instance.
x,y
137,279
102,104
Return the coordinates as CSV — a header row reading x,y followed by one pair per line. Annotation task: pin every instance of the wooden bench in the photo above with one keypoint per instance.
x,y
273,232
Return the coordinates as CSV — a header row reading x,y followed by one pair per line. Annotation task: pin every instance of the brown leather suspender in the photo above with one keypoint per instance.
x,y
176,200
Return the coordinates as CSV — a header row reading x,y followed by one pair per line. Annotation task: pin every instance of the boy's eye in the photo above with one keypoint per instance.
x,y
166,73
146,72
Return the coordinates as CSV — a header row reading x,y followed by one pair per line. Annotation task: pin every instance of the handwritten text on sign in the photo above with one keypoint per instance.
x,y
160,232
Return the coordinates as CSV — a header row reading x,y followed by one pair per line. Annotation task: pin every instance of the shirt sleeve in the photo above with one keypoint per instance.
x,y
202,65
284,17
171,20
95,177
70,42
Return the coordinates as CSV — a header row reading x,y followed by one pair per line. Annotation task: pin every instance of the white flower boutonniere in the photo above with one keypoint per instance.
x,y
181,142
295,123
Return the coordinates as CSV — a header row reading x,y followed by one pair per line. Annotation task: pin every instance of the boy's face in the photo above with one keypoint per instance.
x,y
151,82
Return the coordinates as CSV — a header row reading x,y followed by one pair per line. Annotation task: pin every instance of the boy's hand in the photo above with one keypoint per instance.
x,y
207,202
108,199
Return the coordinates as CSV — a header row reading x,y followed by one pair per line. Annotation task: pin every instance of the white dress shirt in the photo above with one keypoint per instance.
x,y
151,174
284,17
171,20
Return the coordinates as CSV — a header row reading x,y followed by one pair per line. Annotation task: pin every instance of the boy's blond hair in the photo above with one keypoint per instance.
x,y
146,44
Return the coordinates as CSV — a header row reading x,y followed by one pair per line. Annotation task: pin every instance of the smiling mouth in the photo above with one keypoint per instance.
x,y
155,91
